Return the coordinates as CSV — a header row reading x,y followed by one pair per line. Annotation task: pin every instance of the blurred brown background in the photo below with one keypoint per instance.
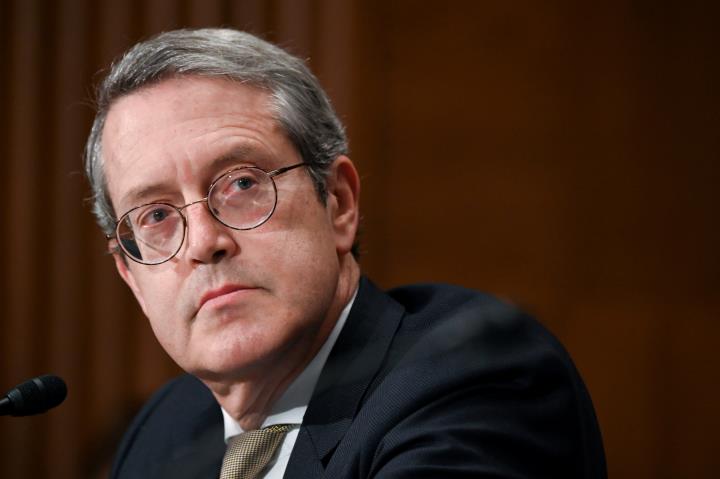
x,y
563,155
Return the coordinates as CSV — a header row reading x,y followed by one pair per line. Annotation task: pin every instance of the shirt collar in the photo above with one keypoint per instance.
x,y
292,404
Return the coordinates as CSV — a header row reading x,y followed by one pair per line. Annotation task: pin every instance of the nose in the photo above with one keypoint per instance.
x,y
208,240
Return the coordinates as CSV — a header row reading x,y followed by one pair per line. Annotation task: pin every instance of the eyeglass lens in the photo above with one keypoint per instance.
x,y
242,199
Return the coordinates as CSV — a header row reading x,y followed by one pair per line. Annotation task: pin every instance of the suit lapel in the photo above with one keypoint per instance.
x,y
353,363
202,456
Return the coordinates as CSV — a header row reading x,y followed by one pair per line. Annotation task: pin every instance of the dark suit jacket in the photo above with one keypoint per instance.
x,y
426,381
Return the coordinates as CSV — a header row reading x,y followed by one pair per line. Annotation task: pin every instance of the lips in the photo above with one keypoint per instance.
x,y
218,293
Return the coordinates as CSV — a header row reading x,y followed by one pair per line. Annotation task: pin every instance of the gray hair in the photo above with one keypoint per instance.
x,y
298,101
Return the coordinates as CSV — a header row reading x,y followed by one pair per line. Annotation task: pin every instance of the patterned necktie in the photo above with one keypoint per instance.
x,y
248,453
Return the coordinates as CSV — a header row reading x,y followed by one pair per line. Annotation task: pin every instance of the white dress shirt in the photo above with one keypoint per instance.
x,y
291,407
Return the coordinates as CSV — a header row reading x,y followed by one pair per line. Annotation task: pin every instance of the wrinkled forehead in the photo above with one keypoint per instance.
x,y
152,131
180,100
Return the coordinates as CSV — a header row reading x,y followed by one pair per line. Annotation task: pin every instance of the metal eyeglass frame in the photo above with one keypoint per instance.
x,y
271,174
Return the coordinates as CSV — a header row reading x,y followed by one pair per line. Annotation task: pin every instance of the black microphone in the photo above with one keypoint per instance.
x,y
34,396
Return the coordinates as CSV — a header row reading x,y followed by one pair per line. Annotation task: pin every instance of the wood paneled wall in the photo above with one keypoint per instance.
x,y
563,155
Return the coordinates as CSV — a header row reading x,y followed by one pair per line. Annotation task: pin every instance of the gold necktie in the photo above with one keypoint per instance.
x,y
248,453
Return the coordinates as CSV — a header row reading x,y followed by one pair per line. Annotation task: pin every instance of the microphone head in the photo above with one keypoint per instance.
x,y
35,396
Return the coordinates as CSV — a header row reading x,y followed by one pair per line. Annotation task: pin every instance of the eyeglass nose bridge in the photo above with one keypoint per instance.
x,y
181,209
215,213
186,220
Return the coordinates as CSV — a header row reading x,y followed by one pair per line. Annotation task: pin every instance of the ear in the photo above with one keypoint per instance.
x,y
343,202
123,269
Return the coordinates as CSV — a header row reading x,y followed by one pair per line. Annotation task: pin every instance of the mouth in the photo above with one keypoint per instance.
x,y
219,296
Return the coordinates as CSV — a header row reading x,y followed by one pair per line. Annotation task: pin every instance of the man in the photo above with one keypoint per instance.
x,y
220,176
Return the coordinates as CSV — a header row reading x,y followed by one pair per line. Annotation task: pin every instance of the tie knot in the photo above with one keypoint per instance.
x,y
248,453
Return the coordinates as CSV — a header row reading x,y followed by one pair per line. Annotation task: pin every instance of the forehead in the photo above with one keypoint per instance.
x,y
184,98
171,131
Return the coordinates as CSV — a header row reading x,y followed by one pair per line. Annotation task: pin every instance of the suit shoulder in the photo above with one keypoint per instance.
x,y
455,338
436,302
163,403
466,368
449,314
177,415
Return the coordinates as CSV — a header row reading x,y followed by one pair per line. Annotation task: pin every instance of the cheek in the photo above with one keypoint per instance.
x,y
304,244
310,267
295,252
163,308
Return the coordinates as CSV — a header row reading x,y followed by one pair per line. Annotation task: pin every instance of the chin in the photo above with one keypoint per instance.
x,y
229,362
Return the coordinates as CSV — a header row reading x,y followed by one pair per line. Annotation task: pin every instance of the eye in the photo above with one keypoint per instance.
x,y
153,215
238,188
158,215
243,183
238,184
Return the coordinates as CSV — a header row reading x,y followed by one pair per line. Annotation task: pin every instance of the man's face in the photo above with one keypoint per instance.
x,y
231,302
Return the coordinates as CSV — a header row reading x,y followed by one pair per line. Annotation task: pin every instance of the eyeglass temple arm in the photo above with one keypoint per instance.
x,y
272,174
282,170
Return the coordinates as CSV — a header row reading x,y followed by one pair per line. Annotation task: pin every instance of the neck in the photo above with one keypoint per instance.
x,y
249,399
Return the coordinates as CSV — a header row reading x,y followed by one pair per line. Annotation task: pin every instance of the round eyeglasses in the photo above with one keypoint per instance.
x,y
241,199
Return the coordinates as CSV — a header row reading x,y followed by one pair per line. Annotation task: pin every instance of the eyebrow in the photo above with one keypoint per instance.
x,y
245,153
